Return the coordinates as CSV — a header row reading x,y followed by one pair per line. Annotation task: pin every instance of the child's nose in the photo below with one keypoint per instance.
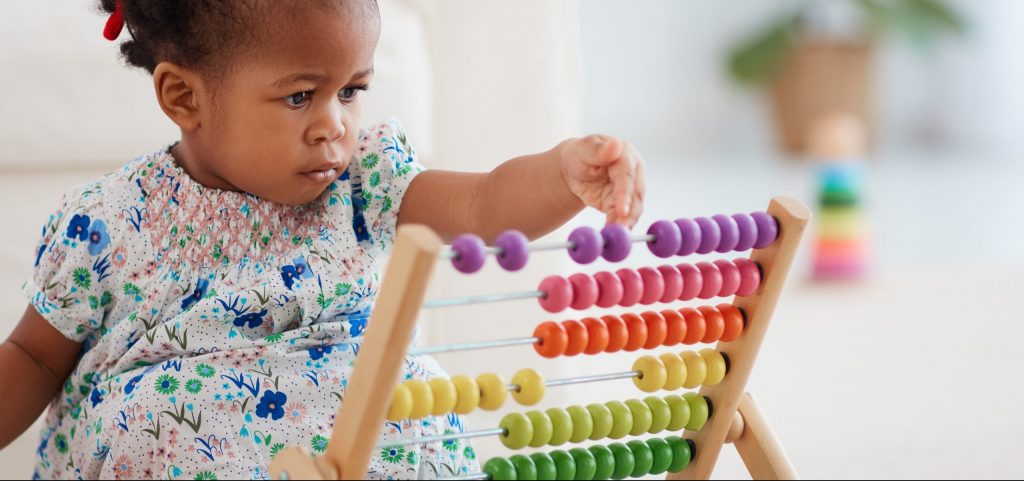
x,y
329,127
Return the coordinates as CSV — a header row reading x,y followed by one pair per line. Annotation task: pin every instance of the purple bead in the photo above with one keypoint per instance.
x,y
514,250
587,245
767,229
748,231
616,242
730,233
469,253
666,238
710,235
689,234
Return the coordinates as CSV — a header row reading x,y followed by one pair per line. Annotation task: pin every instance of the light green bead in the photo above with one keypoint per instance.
x,y
603,421
582,423
642,417
518,430
680,413
562,426
542,428
660,412
699,411
622,419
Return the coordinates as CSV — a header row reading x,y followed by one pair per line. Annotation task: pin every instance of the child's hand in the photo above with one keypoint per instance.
x,y
606,173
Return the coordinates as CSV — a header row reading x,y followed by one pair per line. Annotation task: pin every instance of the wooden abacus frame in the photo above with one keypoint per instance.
x,y
735,418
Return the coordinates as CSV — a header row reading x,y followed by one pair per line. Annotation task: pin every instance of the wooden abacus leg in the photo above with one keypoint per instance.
x,y
757,444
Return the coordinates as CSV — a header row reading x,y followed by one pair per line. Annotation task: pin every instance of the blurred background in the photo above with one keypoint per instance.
x,y
898,122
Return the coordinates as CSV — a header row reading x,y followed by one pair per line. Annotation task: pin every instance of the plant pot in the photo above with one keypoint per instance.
x,y
818,78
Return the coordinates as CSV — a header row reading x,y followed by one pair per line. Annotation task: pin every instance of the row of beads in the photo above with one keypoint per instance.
x,y
648,330
682,237
647,285
598,462
687,369
612,420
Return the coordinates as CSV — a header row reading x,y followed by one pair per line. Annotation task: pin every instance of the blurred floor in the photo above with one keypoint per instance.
x,y
907,375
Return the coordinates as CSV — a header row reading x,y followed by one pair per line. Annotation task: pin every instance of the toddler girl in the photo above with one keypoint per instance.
x,y
199,309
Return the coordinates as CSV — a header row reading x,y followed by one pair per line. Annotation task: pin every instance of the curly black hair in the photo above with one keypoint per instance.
x,y
199,34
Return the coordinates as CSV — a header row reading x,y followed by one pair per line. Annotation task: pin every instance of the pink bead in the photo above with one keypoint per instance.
x,y
750,277
609,289
693,282
654,285
557,294
730,277
584,291
712,280
632,287
673,283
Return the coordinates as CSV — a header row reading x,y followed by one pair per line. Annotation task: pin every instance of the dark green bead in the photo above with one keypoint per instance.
x,y
525,467
545,466
605,461
565,465
681,454
643,456
586,465
624,460
500,469
662,455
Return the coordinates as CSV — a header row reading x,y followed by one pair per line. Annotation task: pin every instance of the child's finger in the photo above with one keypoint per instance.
x,y
610,151
622,174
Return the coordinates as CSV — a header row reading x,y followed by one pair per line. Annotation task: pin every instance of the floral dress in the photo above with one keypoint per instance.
x,y
219,328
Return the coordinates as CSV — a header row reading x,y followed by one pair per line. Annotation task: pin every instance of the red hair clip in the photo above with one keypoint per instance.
x,y
115,23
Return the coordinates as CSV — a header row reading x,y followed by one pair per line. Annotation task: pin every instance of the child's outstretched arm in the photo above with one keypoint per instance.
x,y
34,362
533,193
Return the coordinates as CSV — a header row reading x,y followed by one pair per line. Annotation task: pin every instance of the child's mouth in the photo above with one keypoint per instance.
x,y
320,176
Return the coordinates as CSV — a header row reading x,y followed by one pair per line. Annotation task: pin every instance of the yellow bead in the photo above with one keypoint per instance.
x,y
653,374
531,387
493,392
422,398
444,396
696,369
467,396
401,403
716,366
676,371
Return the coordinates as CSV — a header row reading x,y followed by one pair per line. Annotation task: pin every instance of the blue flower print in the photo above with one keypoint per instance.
x,y
132,384
39,255
289,274
302,268
78,228
357,323
198,294
96,397
254,319
98,237
318,352
272,404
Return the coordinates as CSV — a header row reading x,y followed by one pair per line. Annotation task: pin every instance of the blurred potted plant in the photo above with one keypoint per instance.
x,y
810,74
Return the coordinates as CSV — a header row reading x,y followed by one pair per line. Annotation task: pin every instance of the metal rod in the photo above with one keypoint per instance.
x,y
474,345
461,301
469,477
595,378
441,437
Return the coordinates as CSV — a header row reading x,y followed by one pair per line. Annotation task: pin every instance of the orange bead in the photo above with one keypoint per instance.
x,y
733,322
618,334
637,332
676,327
578,337
716,324
657,329
553,339
696,326
597,333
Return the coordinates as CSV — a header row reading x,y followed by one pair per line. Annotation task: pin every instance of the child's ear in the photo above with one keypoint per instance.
x,y
179,90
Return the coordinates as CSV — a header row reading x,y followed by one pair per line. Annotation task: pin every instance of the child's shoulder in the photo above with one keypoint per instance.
x,y
111,189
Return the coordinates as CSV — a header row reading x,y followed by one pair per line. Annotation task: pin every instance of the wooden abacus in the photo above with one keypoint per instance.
x,y
720,413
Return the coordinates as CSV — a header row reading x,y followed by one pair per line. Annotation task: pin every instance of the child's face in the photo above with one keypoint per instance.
x,y
285,119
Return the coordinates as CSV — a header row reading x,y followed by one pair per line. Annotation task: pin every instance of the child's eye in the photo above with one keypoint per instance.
x,y
298,99
349,93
